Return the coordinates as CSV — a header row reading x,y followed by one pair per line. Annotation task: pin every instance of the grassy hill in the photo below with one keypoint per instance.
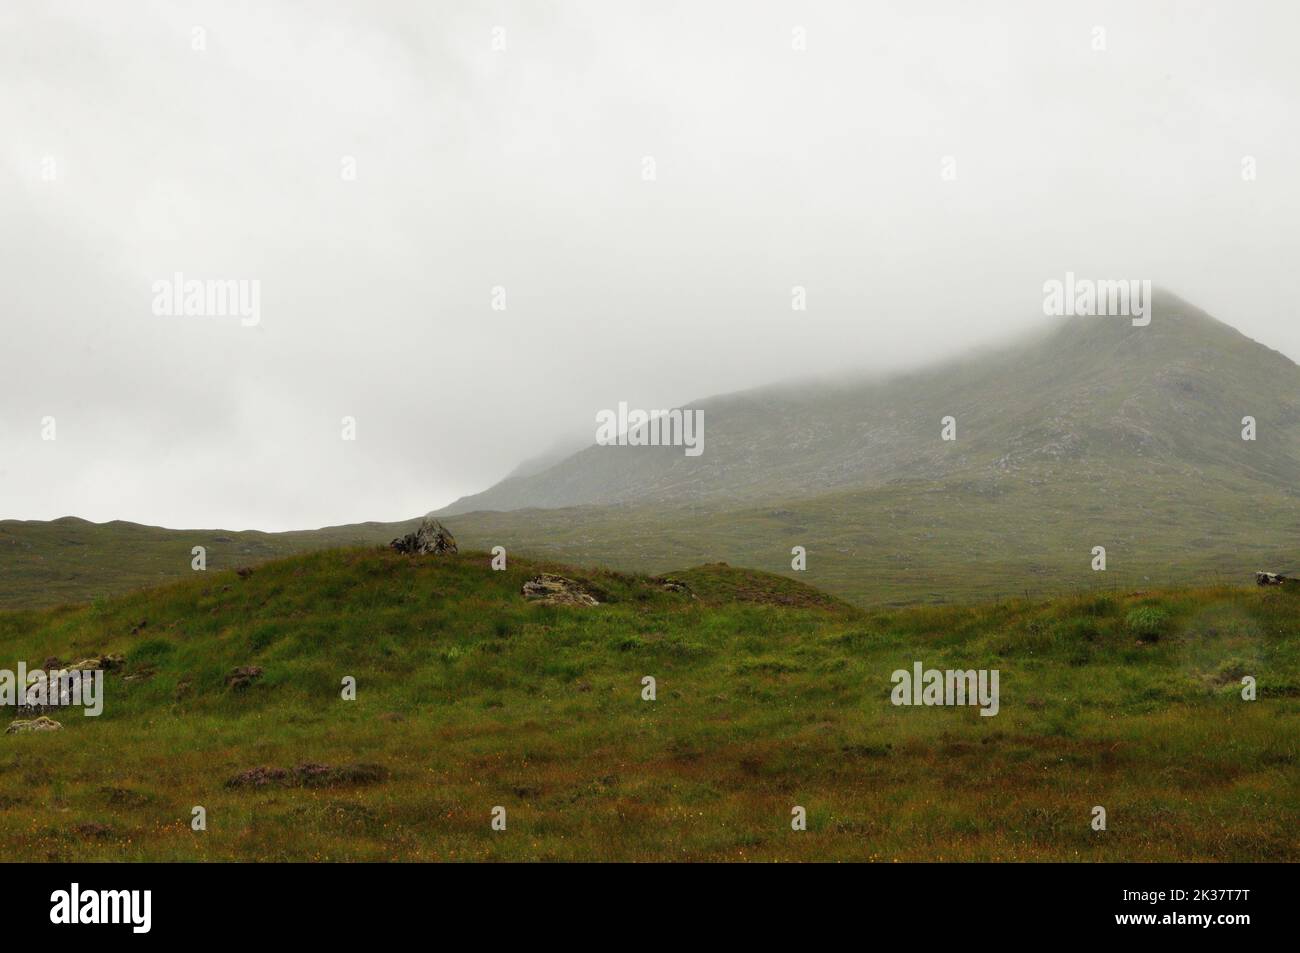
x,y
949,542
73,560
770,694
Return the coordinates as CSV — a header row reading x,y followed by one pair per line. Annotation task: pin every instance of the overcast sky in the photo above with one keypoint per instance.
x,y
127,155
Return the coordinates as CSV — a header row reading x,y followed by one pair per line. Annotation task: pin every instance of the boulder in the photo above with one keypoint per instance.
x,y
105,662
431,539
674,585
550,589
35,724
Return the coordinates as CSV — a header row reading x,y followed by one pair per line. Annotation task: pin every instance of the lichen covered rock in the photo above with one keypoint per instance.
x,y
550,589
431,539
35,724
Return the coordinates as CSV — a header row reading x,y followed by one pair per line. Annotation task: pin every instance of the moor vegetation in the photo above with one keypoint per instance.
x,y
770,694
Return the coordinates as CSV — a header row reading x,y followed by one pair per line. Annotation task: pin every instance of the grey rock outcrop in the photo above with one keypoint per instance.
x,y
550,589
431,539
35,724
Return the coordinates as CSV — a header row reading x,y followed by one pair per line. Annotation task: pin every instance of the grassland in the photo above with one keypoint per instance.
x,y
954,542
770,694
45,563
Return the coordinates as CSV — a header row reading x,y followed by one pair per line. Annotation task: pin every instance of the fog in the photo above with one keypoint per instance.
x,y
380,168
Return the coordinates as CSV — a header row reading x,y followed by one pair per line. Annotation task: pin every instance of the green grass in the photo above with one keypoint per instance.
x,y
953,542
45,563
896,545
770,694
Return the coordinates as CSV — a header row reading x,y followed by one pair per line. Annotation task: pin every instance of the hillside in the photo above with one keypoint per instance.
x,y
1094,433
1091,397
74,560
769,695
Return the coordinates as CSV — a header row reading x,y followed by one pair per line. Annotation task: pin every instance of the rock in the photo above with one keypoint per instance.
x,y
1270,579
674,585
57,685
243,676
243,572
431,539
554,590
40,683
36,724
105,662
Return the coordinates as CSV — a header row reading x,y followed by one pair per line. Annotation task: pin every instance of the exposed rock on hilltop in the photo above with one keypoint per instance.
x,y
431,539
554,590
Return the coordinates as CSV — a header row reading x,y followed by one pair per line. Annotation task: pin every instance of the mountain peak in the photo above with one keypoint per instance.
x,y
1096,390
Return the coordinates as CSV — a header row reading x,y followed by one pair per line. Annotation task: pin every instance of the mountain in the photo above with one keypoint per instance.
x,y
1090,433
1089,394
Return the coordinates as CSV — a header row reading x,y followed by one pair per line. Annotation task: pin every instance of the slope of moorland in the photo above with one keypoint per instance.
x,y
47,563
770,694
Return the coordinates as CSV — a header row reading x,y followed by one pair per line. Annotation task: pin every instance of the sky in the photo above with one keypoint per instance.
x,y
475,225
